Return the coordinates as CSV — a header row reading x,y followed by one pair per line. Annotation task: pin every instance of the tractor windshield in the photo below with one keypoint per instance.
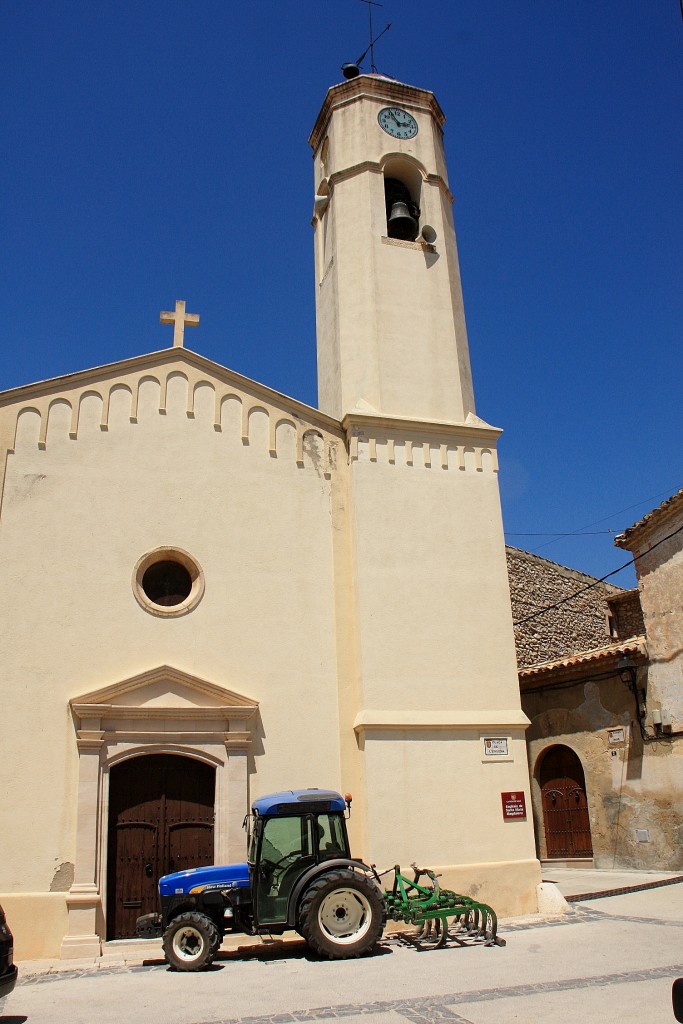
x,y
285,839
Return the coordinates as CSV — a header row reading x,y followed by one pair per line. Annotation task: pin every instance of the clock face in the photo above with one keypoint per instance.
x,y
397,123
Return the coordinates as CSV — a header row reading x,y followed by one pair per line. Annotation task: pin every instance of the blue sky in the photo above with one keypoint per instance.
x,y
158,150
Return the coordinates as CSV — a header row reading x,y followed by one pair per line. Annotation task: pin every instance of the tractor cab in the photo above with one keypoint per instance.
x,y
290,834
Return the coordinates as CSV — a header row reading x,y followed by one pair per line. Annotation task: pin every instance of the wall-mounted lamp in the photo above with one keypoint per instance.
x,y
628,672
661,717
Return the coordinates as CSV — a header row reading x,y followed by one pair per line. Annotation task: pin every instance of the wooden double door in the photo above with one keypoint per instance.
x,y
161,815
565,805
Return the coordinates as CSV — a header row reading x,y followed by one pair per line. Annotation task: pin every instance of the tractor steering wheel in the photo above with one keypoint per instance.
x,y
293,853
277,868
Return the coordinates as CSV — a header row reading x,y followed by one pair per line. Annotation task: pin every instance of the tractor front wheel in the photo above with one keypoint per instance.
x,y
191,942
341,914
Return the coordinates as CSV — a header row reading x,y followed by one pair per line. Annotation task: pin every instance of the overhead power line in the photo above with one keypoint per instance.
x,y
593,533
604,519
589,586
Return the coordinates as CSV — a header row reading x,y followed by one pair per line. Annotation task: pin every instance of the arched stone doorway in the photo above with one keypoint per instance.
x,y
161,711
565,806
161,817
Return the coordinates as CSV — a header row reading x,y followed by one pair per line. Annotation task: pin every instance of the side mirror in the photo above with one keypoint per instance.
x,y
677,998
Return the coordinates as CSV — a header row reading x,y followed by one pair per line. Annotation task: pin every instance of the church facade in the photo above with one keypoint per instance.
x,y
211,591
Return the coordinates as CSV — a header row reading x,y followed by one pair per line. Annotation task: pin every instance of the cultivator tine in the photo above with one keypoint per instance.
x,y
430,934
492,938
460,924
435,935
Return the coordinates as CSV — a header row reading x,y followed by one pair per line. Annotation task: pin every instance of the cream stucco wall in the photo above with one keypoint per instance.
x,y
429,556
435,654
78,515
251,503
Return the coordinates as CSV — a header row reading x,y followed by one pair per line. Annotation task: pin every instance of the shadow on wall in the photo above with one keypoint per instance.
x,y
634,763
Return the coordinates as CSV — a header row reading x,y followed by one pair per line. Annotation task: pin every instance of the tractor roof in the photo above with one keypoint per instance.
x,y
299,801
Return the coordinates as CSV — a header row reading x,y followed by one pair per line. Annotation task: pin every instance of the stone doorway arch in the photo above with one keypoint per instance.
x,y
566,823
163,711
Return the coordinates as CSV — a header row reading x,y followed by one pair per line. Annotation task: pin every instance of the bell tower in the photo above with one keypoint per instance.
x,y
390,319
431,725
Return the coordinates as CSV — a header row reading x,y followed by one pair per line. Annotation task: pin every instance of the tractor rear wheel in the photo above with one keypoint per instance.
x,y
341,914
191,942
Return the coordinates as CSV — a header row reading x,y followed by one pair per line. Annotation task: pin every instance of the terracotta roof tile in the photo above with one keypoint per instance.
x,y
672,504
635,645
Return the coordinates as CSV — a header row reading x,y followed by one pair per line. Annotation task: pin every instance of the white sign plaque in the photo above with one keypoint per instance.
x,y
496,746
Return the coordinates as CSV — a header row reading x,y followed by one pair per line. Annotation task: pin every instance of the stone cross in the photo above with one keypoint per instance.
x,y
179,319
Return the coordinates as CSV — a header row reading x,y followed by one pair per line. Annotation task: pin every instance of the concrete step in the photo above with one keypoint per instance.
x,y
132,949
568,862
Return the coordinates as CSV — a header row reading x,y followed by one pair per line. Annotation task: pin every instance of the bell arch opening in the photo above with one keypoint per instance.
x,y
402,197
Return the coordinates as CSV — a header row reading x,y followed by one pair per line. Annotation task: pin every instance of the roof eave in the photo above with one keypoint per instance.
x,y
55,385
637,534
583,665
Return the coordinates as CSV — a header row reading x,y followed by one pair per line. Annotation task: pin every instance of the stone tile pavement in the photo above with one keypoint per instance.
x,y
611,958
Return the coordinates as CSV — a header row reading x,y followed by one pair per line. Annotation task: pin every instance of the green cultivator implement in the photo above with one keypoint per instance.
x,y
439,914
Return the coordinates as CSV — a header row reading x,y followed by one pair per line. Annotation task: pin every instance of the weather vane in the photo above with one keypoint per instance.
x,y
353,70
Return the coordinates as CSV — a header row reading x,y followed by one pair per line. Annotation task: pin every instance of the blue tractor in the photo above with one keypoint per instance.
x,y
299,875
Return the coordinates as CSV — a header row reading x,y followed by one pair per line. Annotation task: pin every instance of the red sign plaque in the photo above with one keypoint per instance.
x,y
514,806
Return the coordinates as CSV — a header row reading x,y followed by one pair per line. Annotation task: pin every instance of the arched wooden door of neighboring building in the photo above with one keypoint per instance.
x,y
565,807
161,814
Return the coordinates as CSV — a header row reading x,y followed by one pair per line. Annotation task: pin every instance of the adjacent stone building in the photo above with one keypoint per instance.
x,y
656,542
606,702
572,623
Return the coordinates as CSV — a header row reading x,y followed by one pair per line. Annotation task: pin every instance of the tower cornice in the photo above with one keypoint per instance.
x,y
373,87
377,167
474,431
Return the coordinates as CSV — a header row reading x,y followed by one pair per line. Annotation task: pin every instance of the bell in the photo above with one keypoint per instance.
x,y
401,224
402,213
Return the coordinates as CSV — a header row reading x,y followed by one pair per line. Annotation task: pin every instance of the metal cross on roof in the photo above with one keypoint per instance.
x,y
371,47
179,319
